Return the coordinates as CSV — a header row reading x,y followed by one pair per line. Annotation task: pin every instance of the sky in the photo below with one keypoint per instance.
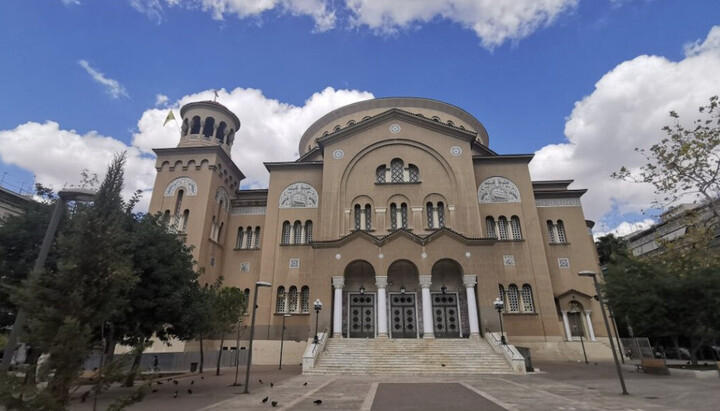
x,y
578,83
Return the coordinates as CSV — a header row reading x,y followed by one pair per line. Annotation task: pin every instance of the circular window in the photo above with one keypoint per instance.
x,y
395,128
455,151
338,154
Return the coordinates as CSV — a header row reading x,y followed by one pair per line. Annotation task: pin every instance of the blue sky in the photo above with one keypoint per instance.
x,y
578,82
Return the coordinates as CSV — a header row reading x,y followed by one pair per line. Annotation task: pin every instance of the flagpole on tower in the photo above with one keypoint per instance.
x,y
171,116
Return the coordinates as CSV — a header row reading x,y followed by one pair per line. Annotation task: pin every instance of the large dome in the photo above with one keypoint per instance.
x,y
352,114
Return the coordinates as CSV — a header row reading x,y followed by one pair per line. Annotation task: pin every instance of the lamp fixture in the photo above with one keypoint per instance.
x,y
402,289
362,290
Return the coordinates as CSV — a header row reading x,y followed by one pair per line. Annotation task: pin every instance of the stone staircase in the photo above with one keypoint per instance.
x,y
409,356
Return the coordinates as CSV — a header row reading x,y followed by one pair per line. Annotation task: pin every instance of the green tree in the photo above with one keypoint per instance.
x,y
611,249
198,319
229,305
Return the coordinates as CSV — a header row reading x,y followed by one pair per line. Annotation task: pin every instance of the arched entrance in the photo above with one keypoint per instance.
x,y
448,300
360,317
403,281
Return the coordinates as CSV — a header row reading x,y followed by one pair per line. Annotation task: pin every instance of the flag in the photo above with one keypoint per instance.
x,y
169,117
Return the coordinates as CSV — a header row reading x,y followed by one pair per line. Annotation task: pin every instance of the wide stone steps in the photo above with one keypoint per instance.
x,y
409,356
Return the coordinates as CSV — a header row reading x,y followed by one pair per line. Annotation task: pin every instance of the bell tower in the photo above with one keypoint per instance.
x,y
197,181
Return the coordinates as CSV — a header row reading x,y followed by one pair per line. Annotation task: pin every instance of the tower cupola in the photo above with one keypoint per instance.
x,y
208,123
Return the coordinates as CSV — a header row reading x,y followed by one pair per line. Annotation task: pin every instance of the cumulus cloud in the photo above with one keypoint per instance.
x,y
627,109
493,21
113,87
71,2
624,228
161,100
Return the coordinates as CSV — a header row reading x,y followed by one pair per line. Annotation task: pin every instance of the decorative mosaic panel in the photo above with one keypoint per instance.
x,y
294,263
564,262
244,267
509,259
249,210
187,183
222,195
299,195
498,190
558,202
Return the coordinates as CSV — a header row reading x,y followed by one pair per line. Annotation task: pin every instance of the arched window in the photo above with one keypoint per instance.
x,y
257,237
219,232
230,136
527,299
396,171
195,125
305,299
403,215
209,128
515,226
248,238
368,217
246,293
166,216
280,303
503,296
490,227
293,300
380,174
308,232
513,300
286,233
430,214
358,217
502,228
186,217
297,228
220,133
413,174
240,235
393,216
184,127
441,214
561,232
551,231
178,203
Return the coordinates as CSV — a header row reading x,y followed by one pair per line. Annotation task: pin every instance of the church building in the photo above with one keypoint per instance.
x,y
399,218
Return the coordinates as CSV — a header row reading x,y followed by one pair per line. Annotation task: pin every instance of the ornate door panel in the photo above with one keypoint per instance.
x,y
576,325
403,316
361,313
446,317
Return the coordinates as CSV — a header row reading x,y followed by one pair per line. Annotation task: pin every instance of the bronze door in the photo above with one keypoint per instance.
x,y
576,325
445,315
361,322
403,316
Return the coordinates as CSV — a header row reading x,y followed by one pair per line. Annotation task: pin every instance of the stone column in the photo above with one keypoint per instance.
x,y
470,281
428,328
381,283
566,323
590,328
338,284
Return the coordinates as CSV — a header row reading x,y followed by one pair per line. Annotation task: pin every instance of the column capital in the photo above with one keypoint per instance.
x,y
381,281
564,312
469,280
338,282
425,281
588,312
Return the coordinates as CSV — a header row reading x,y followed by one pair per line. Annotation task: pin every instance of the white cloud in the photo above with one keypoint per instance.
x,y
625,228
71,2
161,100
627,109
153,9
113,87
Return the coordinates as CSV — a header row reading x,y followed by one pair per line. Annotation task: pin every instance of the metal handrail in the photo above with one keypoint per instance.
x,y
320,340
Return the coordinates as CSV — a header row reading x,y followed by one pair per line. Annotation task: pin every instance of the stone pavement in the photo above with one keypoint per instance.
x,y
559,386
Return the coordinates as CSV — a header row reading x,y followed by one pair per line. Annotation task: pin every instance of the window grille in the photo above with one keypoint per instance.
x,y
257,237
551,231
286,233
358,218
293,300
403,215
305,299
429,210
240,235
280,303
502,228
441,214
513,303
393,216
515,226
298,233
308,231
490,227
527,299
368,217
561,232
248,238
380,173
413,174
396,171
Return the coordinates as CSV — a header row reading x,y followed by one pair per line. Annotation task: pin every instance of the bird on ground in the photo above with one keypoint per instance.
x,y
272,385
159,382
264,400
189,391
260,381
192,382
155,390
202,377
317,402
83,397
175,395
274,403
305,383
168,380
175,382
442,365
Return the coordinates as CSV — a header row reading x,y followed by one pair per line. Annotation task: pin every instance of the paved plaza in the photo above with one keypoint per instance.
x,y
558,386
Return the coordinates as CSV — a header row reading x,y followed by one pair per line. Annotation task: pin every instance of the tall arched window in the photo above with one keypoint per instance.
x,y
430,214
305,299
396,170
393,216
380,174
358,217
186,217
184,129
308,231
240,236
166,216
280,303
515,226
551,231
490,227
257,237
413,173
178,204
513,300
561,232
220,133
248,238
404,215
219,232
286,233
195,125
246,293
368,217
502,228
293,299
527,299
297,228
209,128
441,214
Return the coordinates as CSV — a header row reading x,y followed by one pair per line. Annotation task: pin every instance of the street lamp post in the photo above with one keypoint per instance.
x,y
282,339
607,328
499,305
64,196
252,334
318,307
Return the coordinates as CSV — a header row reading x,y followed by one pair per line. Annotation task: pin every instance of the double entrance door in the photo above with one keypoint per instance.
x,y
403,315
446,316
361,313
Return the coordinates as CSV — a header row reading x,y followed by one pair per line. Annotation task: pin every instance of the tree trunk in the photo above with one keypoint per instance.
x,y
222,341
202,357
31,374
110,345
130,379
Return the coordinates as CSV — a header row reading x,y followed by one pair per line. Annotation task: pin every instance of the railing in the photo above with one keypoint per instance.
x,y
511,354
314,349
